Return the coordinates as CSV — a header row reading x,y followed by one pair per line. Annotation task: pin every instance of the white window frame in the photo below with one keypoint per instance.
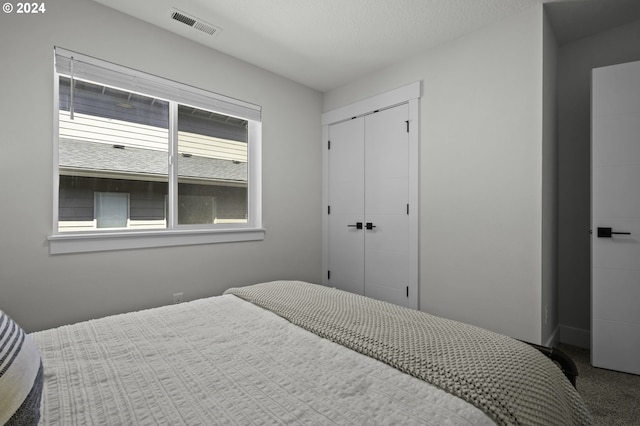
x,y
75,65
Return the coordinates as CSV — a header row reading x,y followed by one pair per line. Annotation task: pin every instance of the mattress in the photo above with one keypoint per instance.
x,y
223,360
511,381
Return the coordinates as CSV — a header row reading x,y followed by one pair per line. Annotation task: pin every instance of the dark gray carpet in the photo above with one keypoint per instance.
x,y
612,397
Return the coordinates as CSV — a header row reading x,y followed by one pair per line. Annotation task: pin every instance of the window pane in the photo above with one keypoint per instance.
x,y
212,167
116,142
112,209
196,209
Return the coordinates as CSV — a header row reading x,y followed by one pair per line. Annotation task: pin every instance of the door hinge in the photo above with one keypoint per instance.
x,y
407,208
407,121
328,209
328,144
328,275
407,291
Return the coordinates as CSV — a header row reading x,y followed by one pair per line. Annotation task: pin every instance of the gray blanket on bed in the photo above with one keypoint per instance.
x,y
507,379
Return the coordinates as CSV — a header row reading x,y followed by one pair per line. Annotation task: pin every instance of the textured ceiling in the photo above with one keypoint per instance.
x,y
324,44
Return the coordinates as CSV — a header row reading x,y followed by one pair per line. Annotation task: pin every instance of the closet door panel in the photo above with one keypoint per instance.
x,y
386,200
387,161
387,195
391,233
346,204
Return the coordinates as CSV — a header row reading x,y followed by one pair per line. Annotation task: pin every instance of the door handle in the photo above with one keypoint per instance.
x,y
358,225
370,225
608,233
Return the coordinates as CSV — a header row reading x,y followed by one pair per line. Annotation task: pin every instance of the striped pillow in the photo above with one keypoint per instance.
x,y
20,375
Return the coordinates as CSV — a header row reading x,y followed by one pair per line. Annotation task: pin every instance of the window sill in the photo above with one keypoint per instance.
x,y
92,242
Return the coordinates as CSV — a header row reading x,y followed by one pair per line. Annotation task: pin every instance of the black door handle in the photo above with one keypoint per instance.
x,y
358,225
370,225
608,233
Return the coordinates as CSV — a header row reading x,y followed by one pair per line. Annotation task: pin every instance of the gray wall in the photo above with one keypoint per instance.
x,y
549,187
576,60
481,170
40,290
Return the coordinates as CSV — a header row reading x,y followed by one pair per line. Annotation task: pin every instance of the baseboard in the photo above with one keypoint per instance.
x,y
575,336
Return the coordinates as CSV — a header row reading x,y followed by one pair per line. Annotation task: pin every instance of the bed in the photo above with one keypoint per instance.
x,y
290,352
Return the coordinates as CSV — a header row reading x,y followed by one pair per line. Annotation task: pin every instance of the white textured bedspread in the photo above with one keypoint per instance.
x,y
225,361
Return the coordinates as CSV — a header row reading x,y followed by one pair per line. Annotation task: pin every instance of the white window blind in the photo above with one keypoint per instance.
x,y
85,67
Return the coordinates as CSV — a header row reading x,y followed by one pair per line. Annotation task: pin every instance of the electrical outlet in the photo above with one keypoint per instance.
x,y
178,298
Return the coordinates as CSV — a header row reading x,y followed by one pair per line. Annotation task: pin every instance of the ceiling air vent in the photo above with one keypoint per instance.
x,y
194,22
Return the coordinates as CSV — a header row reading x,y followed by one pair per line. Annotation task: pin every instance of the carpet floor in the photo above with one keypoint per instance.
x,y
612,397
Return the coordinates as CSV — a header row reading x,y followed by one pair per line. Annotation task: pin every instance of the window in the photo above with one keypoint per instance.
x,y
138,157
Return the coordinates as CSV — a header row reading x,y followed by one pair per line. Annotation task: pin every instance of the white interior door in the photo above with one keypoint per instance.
x,y
615,292
368,219
346,204
386,204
